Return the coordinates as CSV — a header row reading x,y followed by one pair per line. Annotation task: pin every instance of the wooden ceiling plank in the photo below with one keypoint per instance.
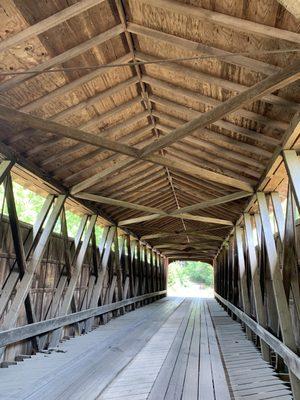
x,y
182,163
91,101
218,82
115,129
235,149
293,6
231,22
140,174
89,156
278,125
92,180
63,57
241,132
21,118
200,48
267,85
149,198
198,184
106,132
68,87
216,161
48,23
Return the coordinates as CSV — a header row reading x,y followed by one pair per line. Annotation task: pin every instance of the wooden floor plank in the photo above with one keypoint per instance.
x,y
251,378
174,349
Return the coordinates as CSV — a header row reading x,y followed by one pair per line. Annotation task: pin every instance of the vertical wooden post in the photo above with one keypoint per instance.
x,y
243,275
280,298
74,278
26,280
258,301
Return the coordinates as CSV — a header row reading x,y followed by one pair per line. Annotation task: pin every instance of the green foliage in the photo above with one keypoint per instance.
x,y
29,204
182,273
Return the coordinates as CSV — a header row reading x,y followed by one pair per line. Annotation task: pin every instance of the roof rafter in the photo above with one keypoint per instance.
x,y
63,57
48,23
215,80
158,213
200,48
256,92
239,24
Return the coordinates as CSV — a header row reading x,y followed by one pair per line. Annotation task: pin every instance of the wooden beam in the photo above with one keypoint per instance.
x,y
242,272
20,333
28,244
94,179
201,49
239,24
292,164
63,57
266,86
213,202
282,306
206,220
78,263
25,283
197,75
21,261
68,87
194,170
86,126
157,212
190,112
117,203
5,167
48,23
178,234
256,286
278,214
293,6
9,114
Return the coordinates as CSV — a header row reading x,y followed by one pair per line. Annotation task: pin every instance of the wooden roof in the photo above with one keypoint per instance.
x,y
118,138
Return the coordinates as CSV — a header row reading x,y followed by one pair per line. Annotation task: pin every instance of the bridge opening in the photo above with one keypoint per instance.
x,y
190,278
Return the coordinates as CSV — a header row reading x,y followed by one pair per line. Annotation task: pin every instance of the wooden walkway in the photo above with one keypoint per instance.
x,y
171,349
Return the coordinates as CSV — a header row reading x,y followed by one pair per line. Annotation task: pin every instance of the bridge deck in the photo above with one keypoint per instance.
x,y
172,349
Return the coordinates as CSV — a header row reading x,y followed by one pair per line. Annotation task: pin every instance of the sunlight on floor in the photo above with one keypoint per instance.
x,y
193,290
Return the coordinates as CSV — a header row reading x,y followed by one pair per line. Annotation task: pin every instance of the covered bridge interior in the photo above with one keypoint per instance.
x,y
171,128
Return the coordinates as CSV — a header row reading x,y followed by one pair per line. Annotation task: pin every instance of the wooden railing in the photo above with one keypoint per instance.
x,y
291,359
27,331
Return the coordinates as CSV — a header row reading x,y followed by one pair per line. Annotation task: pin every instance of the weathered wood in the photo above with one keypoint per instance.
x,y
49,23
268,85
5,167
242,272
282,307
74,278
278,213
257,294
291,359
293,6
292,164
229,21
27,331
63,57
19,250
24,285
200,48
